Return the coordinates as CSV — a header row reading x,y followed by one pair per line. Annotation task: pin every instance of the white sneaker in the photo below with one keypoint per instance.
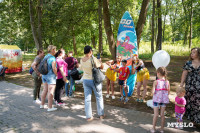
x,y
51,109
113,97
107,96
38,101
42,106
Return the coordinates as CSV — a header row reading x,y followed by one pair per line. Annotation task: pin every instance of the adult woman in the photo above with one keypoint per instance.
x,y
37,76
142,76
88,84
72,62
61,77
49,80
191,78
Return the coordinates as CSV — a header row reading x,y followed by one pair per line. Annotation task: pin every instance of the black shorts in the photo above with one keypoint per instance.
x,y
121,82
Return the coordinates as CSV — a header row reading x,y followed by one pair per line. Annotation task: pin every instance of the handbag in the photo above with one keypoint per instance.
x,y
75,73
97,74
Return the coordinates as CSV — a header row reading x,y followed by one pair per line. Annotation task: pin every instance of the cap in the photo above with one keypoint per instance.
x,y
124,60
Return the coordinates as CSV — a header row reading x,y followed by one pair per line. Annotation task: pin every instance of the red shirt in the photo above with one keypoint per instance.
x,y
123,73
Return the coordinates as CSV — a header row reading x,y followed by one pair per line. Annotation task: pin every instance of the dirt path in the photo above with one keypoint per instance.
x,y
174,75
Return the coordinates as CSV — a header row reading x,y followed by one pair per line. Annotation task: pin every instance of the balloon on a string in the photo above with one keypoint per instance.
x,y
160,59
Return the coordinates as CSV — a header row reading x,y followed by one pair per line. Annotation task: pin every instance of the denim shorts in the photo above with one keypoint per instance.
x,y
155,104
49,79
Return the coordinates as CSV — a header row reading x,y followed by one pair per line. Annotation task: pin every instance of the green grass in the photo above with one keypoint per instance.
x,y
176,49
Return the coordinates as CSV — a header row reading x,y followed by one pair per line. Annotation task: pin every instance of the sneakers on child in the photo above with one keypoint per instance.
x,y
107,96
51,109
121,98
137,100
126,100
113,97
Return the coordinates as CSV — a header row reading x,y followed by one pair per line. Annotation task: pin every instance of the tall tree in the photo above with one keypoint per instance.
x,y
152,28
141,20
191,15
159,38
36,35
100,26
108,28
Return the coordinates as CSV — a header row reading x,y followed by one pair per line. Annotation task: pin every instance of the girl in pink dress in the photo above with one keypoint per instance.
x,y
161,89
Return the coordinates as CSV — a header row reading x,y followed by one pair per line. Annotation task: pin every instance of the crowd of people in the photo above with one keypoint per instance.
x,y
58,77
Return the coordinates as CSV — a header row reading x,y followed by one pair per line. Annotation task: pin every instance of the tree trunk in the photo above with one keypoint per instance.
x,y
40,3
108,28
159,38
152,28
32,20
166,10
93,41
191,15
185,36
141,20
100,26
74,41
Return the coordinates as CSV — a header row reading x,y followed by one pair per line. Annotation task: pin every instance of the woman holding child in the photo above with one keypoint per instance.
x,y
191,78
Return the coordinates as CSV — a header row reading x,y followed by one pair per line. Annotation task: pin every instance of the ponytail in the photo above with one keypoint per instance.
x,y
58,53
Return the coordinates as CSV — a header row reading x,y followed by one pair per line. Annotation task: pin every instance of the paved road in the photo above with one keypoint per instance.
x,y
19,114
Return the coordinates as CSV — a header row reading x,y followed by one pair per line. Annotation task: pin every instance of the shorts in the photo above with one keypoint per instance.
x,y
155,104
143,74
121,82
179,116
49,79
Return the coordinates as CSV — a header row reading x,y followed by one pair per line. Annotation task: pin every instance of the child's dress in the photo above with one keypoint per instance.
x,y
161,92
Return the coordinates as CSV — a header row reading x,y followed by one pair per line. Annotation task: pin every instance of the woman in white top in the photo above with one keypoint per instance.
x,y
88,84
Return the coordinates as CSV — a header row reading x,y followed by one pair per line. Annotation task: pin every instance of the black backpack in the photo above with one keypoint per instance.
x,y
43,68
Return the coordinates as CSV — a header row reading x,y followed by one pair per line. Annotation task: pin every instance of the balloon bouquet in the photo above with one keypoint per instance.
x,y
160,59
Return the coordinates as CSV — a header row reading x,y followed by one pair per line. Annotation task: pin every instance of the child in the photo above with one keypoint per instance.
x,y
123,76
111,76
180,103
161,89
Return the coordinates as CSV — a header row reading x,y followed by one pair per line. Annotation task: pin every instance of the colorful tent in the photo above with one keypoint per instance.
x,y
11,56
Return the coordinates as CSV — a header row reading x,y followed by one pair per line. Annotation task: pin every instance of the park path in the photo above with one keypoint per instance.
x,y
19,114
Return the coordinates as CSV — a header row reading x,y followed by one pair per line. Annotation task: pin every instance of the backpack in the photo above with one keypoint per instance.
x,y
31,70
43,68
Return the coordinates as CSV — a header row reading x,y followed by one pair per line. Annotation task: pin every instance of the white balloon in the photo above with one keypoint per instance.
x,y
160,59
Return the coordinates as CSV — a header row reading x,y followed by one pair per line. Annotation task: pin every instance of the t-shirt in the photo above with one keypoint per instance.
x,y
182,101
86,67
123,73
49,62
37,60
70,61
61,63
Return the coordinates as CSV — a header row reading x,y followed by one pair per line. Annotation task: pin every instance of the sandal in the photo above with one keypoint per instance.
x,y
90,119
137,100
102,117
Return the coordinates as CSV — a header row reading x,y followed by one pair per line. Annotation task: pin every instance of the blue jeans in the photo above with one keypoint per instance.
x,y
88,86
72,82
